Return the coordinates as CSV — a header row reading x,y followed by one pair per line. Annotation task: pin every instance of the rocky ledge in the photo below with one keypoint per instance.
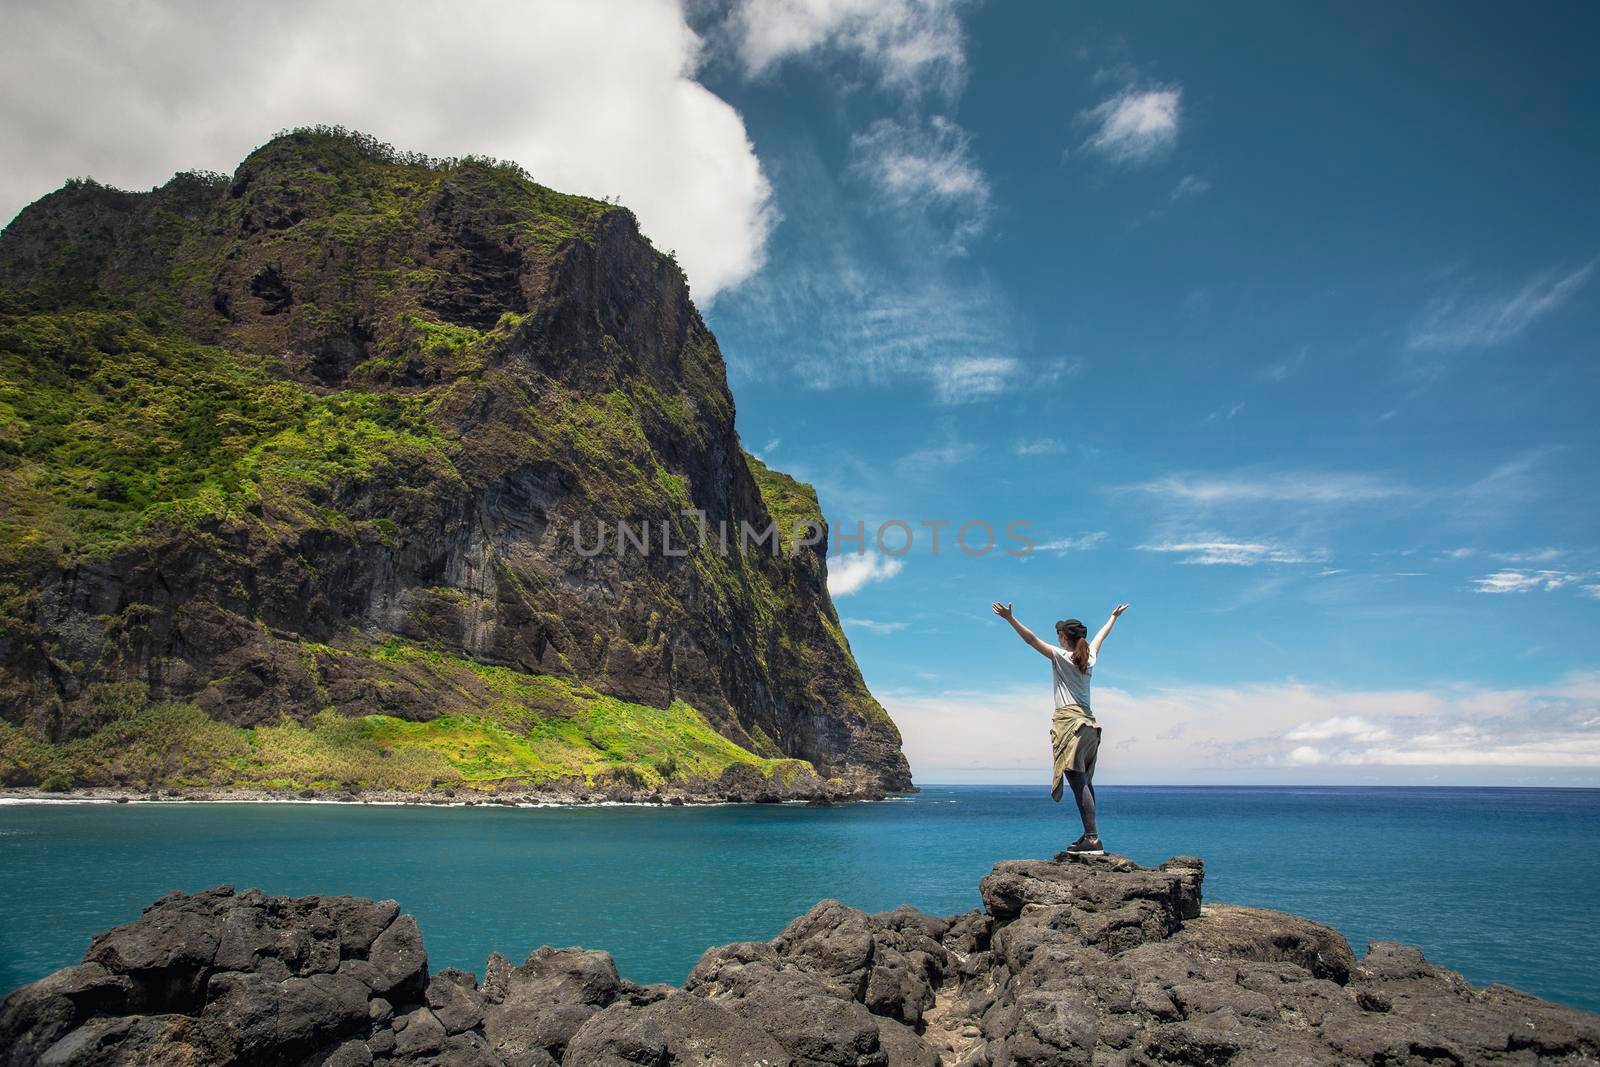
x,y
738,784
1071,961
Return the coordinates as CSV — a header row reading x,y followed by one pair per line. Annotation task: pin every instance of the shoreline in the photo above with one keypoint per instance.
x,y
15,796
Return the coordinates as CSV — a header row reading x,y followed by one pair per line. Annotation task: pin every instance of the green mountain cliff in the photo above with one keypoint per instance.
x,y
290,464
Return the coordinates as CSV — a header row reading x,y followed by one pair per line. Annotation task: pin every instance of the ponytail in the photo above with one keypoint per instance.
x,y
1077,642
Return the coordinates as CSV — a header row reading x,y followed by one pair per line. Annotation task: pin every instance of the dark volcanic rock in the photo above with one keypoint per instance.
x,y
1077,961
676,1029
1225,931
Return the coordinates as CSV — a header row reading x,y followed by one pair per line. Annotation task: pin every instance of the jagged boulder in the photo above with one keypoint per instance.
x,y
223,977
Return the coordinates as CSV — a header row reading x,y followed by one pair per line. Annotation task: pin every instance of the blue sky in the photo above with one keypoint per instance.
x,y
1285,321
1277,323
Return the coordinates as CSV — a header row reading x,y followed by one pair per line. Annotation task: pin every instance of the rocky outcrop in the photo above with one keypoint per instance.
x,y
1074,961
276,423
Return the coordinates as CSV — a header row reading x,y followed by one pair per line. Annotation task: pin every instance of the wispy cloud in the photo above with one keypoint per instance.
x,y
1479,320
914,46
1502,493
841,323
969,378
1284,369
942,456
1305,487
1189,185
849,573
874,626
1227,413
1043,446
927,167
1135,127
1523,581
1539,555
1289,515
1081,543
1218,551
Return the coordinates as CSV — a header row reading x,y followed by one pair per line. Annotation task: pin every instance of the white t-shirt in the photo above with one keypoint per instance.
x,y
1071,684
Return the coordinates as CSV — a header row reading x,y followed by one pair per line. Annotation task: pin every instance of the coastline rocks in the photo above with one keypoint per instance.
x,y
1079,960
738,784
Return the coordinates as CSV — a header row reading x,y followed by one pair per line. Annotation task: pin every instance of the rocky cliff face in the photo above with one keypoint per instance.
x,y
1083,960
316,436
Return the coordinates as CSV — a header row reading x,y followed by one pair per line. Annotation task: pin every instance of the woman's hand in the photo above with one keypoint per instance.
x,y
1002,610
1118,610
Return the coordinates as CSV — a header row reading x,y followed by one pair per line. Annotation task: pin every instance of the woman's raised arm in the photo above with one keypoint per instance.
x,y
1105,631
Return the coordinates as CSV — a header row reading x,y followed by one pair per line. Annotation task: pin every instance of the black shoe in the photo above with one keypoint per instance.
x,y
1087,845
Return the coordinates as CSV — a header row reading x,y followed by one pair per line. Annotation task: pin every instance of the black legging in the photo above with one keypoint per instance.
x,y
1082,785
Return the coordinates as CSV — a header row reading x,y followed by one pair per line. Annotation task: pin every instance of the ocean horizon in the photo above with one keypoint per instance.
x,y
1495,882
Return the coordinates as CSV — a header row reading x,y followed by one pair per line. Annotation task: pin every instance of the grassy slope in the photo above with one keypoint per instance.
x,y
526,731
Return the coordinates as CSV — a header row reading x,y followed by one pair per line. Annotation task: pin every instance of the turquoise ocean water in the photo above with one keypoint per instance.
x,y
1501,884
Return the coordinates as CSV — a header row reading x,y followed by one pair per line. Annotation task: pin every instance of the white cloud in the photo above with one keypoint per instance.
x,y
1460,553
596,98
848,573
1592,591
874,626
1353,727
1189,185
968,378
1305,487
1521,581
1234,553
1458,321
927,167
1236,731
1136,127
1081,543
1044,446
912,45
912,163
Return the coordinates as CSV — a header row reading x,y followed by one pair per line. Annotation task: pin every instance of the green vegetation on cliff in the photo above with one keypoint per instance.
x,y
108,425
290,459
792,504
511,731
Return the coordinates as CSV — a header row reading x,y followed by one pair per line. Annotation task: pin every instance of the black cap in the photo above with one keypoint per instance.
x,y
1074,628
